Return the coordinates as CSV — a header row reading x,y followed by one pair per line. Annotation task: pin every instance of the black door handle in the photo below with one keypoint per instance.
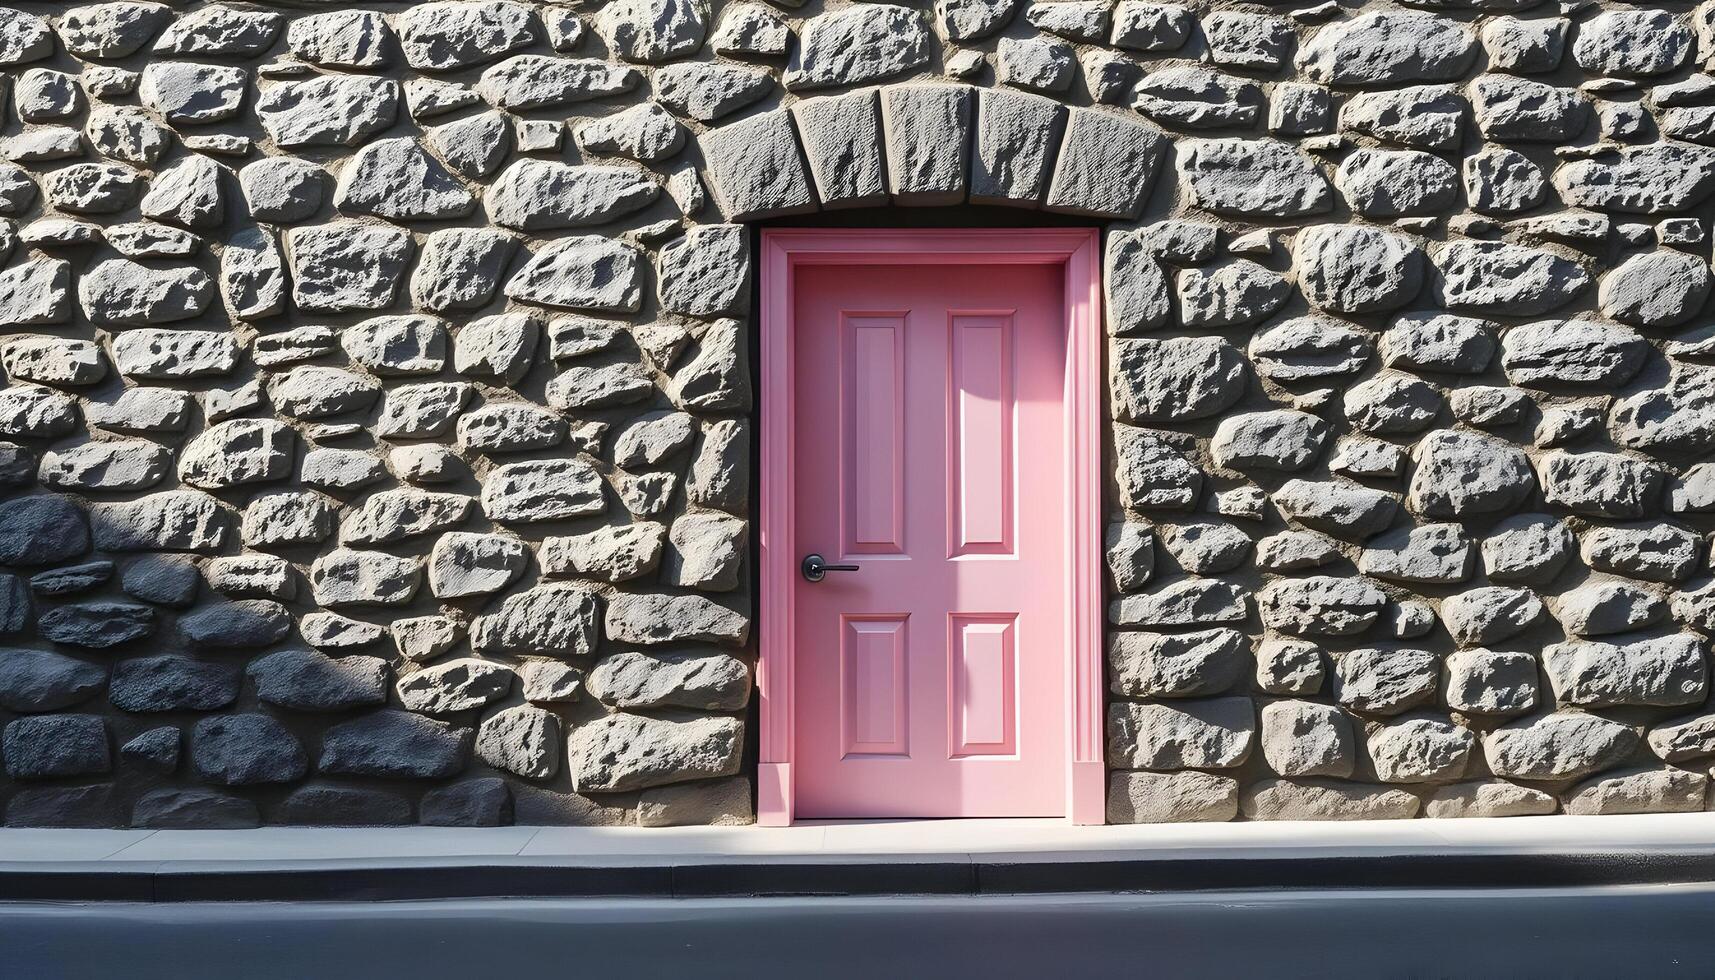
x,y
815,567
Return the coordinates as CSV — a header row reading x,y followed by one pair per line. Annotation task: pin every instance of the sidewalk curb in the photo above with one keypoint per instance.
x,y
939,874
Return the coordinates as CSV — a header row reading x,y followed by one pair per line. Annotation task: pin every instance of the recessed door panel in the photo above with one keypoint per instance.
x,y
981,434
873,678
873,425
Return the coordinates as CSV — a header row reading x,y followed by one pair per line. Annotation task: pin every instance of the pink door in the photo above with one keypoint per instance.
x,y
931,681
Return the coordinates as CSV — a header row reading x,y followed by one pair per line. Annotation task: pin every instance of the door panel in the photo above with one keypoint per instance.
x,y
929,448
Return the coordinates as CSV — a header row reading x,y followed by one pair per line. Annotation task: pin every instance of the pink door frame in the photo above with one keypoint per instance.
x,y
1075,251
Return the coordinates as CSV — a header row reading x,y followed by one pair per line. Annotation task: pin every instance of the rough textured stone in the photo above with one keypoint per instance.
x,y
1155,797
625,751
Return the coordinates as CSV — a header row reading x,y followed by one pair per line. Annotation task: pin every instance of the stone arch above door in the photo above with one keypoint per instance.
x,y
933,144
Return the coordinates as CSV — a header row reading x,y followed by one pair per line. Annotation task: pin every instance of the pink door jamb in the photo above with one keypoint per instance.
x,y
1075,251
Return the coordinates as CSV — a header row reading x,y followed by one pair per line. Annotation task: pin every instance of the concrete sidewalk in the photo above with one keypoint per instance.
x,y
848,858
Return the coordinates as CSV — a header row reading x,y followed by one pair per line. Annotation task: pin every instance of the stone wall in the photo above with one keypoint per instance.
x,y
378,413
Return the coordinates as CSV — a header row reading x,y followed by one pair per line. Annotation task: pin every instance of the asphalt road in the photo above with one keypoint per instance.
x,y
1633,931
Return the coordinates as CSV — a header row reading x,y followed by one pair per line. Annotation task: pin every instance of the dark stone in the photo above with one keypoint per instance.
x,y
236,624
42,530
37,680
44,746
167,580
72,578
63,806
172,683
17,465
310,681
242,750
157,749
482,802
97,624
194,809
14,604
343,806
395,744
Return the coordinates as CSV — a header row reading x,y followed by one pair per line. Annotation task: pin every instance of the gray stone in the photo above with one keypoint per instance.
x,y
1572,352
392,346
706,91
1177,797
542,490
46,746
37,680
457,685
522,740
926,130
346,266
1640,791
121,464
1632,42
1289,667
1151,473
282,189
751,29
1460,474
1308,348
1438,342
328,110
1291,551
1392,403
238,452
1428,554
304,680
1387,48
841,138
529,81
185,93
581,272
464,564
1559,745
1191,97
1655,289
482,802
1501,181
460,268
1178,379
706,273
644,132
1524,46
621,752
1016,138
1205,734
1235,293
555,619
1684,739
653,620
1420,749
393,515
644,680
1656,672
652,31
342,39
1489,614
1384,680
1600,484
1496,277
1517,110
35,292
97,30
1396,183
1300,738
535,195
391,744
344,577
549,682
710,802
397,179
1344,510
1282,439
1205,547
1150,27
1252,178
1490,682
1655,179
857,44
1599,608
1035,64
340,469
1653,552
193,809
245,750
1190,602
1288,799
451,35
1174,665
120,292
475,146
